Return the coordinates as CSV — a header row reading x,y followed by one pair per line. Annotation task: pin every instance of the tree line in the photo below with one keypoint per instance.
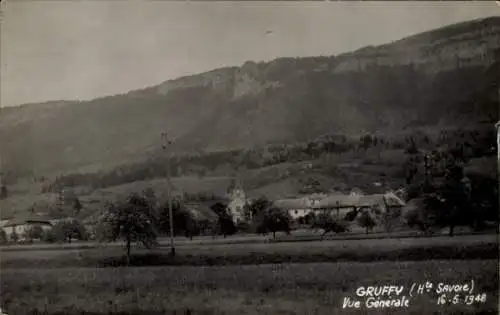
x,y
470,143
450,197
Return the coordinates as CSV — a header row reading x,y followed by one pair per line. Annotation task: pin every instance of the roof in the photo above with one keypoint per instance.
x,y
339,200
201,211
356,190
21,221
389,199
344,201
288,204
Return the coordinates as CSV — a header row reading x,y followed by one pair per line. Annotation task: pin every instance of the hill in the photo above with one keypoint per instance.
x,y
447,77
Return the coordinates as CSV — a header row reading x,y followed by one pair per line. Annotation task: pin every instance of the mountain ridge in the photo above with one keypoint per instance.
x,y
437,78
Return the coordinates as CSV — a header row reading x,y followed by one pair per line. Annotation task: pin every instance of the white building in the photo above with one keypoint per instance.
x,y
237,203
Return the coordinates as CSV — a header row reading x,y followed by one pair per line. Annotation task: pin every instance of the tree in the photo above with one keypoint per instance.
x,y
351,215
274,220
67,230
445,191
225,221
308,219
453,206
328,223
150,195
3,236
390,218
259,205
3,192
183,221
14,237
130,221
77,206
102,232
367,221
411,146
366,141
484,199
247,213
33,232
446,207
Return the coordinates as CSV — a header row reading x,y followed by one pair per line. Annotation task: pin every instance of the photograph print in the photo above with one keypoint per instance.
x,y
249,157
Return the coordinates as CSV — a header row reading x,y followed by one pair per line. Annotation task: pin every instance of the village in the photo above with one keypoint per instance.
x,y
301,210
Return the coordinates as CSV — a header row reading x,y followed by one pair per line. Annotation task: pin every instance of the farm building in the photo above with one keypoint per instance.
x,y
20,226
299,207
346,203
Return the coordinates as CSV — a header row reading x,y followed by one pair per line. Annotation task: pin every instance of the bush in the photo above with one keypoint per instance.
x,y
365,220
328,223
391,218
244,227
65,231
14,237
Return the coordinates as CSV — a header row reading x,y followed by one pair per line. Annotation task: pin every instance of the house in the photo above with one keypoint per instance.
x,y
20,226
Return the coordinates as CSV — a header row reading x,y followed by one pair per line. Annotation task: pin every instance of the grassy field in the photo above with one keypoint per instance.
x,y
244,278
299,235
459,247
265,289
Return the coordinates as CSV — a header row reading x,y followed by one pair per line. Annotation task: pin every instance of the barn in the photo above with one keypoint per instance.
x,y
342,204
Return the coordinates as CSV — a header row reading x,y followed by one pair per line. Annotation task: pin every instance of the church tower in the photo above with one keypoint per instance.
x,y
237,200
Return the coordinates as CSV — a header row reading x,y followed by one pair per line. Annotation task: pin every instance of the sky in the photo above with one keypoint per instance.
x,y
79,50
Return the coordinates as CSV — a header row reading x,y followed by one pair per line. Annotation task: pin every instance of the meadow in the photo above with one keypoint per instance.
x,y
213,277
206,254
314,288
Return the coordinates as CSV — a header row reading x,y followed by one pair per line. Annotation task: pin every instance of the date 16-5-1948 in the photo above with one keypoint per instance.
x,y
467,299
